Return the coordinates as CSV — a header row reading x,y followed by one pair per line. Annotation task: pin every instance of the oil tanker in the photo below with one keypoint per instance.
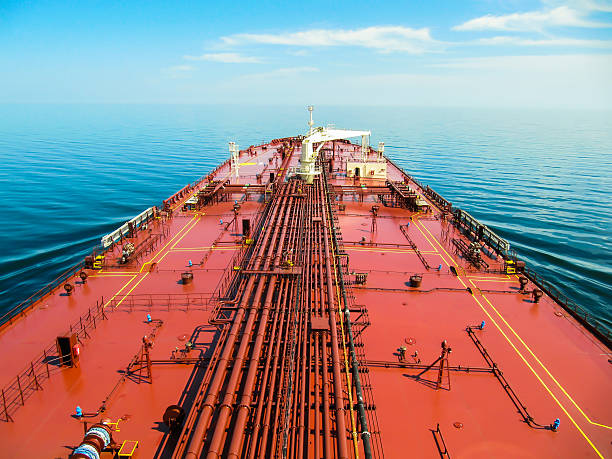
x,y
305,299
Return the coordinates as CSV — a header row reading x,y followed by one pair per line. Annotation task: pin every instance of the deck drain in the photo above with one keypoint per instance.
x,y
558,314
183,337
410,341
458,425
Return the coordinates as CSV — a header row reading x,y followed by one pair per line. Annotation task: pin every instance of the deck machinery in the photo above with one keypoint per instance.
x,y
306,299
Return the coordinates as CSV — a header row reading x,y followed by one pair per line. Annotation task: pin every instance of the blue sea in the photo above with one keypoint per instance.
x,y
542,179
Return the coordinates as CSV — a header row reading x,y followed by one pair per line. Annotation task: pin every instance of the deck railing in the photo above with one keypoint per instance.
x,y
162,302
602,331
22,307
583,316
27,382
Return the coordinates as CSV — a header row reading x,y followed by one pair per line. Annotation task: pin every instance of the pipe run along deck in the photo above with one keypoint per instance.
x,y
340,321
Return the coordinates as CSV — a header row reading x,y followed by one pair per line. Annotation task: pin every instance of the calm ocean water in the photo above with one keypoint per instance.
x,y
72,173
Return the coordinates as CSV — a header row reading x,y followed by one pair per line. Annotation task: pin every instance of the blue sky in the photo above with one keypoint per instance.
x,y
420,53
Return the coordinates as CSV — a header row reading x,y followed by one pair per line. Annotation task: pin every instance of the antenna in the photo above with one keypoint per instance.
x,y
311,122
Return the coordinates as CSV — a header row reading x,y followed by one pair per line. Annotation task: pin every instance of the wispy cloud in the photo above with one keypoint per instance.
x,y
282,72
568,42
381,38
226,58
562,16
597,64
178,71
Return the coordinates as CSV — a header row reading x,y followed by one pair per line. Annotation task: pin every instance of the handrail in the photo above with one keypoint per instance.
x,y
600,330
46,290
596,327
21,387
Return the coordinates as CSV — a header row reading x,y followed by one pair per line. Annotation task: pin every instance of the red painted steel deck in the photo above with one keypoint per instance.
x,y
258,350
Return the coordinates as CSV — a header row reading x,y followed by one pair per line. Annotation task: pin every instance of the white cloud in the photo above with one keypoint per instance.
x,y
226,58
180,68
584,5
299,52
569,42
531,21
178,71
599,65
282,72
507,81
382,38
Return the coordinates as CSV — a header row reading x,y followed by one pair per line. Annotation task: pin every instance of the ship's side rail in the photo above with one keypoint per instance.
x,y
17,391
21,308
161,302
593,325
600,330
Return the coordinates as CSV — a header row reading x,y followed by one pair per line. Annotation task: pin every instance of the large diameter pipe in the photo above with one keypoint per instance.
x,y
225,410
275,335
363,420
247,391
194,447
340,421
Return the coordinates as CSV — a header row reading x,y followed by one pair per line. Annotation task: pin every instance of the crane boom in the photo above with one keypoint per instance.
x,y
322,135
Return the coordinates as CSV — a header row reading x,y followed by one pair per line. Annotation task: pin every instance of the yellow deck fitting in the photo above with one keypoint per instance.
x,y
128,447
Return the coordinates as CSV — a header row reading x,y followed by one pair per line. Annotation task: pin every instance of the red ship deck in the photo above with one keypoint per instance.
x,y
258,349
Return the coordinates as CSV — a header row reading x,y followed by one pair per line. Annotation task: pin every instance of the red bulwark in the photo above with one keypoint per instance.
x,y
359,317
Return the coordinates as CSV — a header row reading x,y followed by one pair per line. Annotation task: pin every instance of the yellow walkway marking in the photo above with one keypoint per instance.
x,y
521,355
135,275
190,222
374,249
543,366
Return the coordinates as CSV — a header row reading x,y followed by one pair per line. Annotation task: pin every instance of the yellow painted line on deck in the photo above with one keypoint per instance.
x,y
135,275
535,374
524,359
169,242
374,249
130,290
497,279
425,236
228,247
178,240
120,290
110,275
543,366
